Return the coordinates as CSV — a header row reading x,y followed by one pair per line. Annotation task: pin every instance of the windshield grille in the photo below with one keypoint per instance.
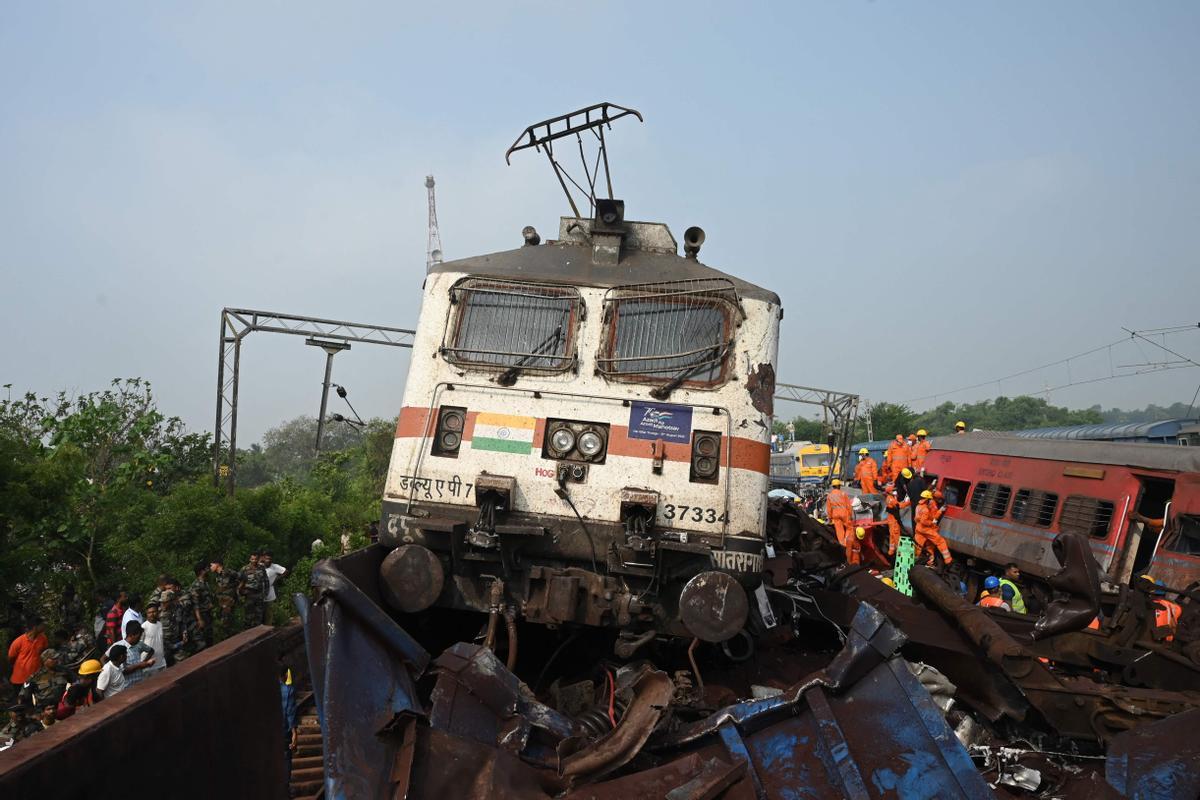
x,y
664,330
507,324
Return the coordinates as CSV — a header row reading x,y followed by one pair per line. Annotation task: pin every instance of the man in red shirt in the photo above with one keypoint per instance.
x,y
25,653
112,622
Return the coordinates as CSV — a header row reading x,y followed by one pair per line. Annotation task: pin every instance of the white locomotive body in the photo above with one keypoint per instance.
x,y
585,435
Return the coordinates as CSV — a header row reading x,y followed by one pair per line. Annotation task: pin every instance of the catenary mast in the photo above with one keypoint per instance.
x,y
434,250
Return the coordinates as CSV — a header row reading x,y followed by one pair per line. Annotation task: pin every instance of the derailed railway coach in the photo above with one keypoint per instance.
x,y
1137,504
584,435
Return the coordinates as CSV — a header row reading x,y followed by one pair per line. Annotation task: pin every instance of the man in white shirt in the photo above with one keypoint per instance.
x,y
274,572
138,655
133,612
152,637
112,677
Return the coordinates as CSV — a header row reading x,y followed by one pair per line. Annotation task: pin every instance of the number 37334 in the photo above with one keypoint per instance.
x,y
694,514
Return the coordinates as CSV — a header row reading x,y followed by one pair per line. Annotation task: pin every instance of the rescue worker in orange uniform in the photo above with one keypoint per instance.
x,y
896,458
854,546
1166,613
839,511
990,597
895,529
939,505
960,427
865,472
920,450
926,533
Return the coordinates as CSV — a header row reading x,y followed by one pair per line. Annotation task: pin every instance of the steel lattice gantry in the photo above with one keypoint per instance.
x,y
842,407
236,324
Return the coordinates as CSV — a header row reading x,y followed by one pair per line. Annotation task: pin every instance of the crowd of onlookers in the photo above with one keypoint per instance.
x,y
93,659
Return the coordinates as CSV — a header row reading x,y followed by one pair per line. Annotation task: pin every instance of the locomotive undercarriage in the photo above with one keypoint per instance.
x,y
555,570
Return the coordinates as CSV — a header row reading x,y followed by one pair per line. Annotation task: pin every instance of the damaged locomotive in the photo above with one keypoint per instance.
x,y
584,435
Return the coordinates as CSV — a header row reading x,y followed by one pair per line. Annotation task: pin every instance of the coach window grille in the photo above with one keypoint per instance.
x,y
1086,515
674,333
990,499
512,326
1034,507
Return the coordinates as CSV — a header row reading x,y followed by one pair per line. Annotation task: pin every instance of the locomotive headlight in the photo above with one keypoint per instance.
x,y
562,440
590,444
447,437
706,456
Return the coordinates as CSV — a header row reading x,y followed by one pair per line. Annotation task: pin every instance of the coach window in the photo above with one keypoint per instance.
x,y
1089,516
676,333
512,325
1034,507
990,499
1184,535
955,491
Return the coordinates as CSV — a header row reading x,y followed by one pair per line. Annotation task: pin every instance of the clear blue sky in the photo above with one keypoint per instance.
x,y
1005,184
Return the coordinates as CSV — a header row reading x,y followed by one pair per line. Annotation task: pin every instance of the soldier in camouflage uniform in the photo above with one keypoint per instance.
x,y
78,647
20,725
159,586
252,586
174,631
47,684
201,596
226,594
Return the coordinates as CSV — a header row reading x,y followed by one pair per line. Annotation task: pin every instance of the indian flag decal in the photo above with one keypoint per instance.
x,y
504,433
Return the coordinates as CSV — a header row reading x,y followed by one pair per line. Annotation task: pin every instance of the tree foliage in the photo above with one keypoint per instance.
x,y
104,490
1000,414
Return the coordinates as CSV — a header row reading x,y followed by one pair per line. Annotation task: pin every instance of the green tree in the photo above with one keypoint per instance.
x,y
887,419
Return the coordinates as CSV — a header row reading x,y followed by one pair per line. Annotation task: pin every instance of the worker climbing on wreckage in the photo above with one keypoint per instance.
x,y
895,529
854,546
926,534
839,511
865,472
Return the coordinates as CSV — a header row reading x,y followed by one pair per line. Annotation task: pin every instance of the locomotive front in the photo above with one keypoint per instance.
x,y
585,435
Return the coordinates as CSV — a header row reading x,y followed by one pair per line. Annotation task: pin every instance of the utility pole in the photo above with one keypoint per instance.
x,y
331,348
433,254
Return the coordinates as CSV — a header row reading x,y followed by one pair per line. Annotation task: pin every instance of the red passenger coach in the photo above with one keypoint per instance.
x,y
1007,498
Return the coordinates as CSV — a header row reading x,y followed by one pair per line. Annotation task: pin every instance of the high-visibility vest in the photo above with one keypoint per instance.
x,y
1166,615
1018,602
991,601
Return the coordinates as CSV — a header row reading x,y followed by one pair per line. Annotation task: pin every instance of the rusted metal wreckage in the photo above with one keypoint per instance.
x,y
928,696
399,722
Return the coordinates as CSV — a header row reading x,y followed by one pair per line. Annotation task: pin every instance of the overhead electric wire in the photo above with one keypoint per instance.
x,y
1071,382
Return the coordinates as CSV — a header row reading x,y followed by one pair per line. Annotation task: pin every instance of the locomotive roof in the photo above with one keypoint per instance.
x,y
644,259
1174,458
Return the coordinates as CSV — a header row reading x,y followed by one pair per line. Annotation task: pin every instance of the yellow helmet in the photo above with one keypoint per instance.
x,y
835,482
861,533
862,451
889,582
906,472
1147,577
926,495
922,432
90,667
960,424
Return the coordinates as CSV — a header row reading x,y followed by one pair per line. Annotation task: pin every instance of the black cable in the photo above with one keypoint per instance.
x,y
557,651
566,495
